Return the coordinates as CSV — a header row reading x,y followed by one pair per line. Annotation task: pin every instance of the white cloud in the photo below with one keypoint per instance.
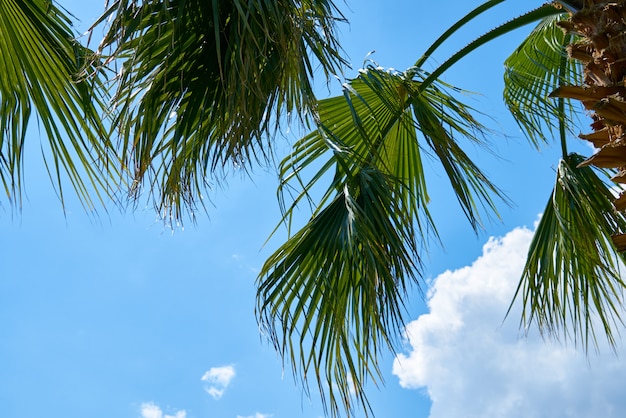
x,y
242,264
218,378
214,392
474,365
257,415
150,410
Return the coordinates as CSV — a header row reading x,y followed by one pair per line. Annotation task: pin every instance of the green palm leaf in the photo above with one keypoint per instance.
x,y
338,284
202,84
340,281
534,70
41,63
332,296
571,280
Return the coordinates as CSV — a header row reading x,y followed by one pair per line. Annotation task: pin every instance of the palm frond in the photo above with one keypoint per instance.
x,y
340,281
41,64
441,119
534,70
203,83
571,280
337,286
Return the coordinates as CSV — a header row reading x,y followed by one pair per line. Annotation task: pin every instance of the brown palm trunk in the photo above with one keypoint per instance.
x,y
601,24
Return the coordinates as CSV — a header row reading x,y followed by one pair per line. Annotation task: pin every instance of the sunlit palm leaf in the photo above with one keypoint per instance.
x,y
339,282
349,266
441,119
536,68
202,83
40,63
367,145
571,280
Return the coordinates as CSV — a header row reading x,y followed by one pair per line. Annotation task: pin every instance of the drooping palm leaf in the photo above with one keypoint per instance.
x,y
202,84
369,142
41,63
338,284
534,70
340,281
571,282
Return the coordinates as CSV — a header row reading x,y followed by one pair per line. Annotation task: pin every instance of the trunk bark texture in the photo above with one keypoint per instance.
x,y
601,24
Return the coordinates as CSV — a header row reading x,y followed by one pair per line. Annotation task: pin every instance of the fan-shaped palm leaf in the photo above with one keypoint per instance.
x,y
571,279
534,70
202,83
40,63
341,280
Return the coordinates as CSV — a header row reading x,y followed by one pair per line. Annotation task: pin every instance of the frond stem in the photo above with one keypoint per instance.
x,y
468,17
523,20
561,107
562,130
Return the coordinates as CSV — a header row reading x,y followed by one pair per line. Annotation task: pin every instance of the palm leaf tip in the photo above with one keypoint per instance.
x,y
338,287
571,285
40,65
444,122
229,71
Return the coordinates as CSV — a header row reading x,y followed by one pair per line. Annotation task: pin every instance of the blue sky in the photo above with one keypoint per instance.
x,y
120,316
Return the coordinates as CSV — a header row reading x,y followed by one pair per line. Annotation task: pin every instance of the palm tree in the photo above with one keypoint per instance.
x,y
338,284
201,88
601,29
571,278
